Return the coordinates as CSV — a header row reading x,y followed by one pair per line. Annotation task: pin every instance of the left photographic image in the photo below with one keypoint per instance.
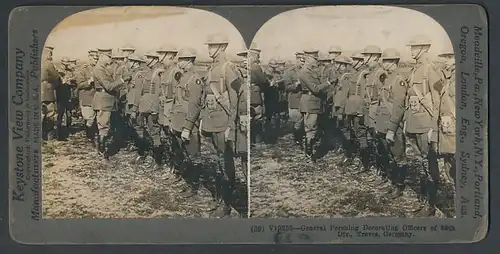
x,y
144,115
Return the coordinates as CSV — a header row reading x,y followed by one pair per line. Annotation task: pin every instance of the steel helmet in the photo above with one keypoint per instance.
x,y
447,50
187,52
357,55
324,56
65,60
243,53
335,49
127,47
372,49
167,48
280,61
152,55
420,40
273,63
135,57
391,53
343,59
214,39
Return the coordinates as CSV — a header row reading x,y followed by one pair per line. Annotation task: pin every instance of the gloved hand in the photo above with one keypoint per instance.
x,y
185,134
390,136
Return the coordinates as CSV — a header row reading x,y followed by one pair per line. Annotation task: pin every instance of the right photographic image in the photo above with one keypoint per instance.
x,y
352,115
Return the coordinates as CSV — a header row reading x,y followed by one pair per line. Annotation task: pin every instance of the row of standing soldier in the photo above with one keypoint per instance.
x,y
158,105
364,105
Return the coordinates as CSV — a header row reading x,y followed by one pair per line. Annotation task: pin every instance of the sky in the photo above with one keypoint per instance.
x,y
350,27
146,27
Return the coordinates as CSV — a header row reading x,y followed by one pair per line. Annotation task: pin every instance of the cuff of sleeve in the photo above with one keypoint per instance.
x,y
392,126
188,124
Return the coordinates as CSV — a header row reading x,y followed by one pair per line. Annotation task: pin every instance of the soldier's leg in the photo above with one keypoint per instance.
x,y
142,141
361,132
50,119
295,118
349,136
225,173
311,129
398,163
383,156
450,167
154,130
103,125
61,111
429,152
192,162
88,115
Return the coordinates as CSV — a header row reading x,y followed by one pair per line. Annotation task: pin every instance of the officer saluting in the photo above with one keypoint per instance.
x,y
217,109
313,95
422,95
105,97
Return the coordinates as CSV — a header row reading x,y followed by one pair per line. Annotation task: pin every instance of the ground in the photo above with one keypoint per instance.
x,y
77,183
285,184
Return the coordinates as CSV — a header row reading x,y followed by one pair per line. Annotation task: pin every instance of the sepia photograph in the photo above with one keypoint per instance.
x,y
144,115
352,115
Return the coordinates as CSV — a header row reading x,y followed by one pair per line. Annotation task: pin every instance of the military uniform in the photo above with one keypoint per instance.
x,y
149,109
312,100
50,80
216,107
354,109
258,84
242,118
86,87
105,99
273,100
292,84
390,157
64,95
422,96
133,128
187,153
447,120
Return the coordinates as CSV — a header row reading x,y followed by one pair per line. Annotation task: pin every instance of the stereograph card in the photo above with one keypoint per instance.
x,y
356,124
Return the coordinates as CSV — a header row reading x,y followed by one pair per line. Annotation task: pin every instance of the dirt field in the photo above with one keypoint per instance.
x,y
285,184
77,183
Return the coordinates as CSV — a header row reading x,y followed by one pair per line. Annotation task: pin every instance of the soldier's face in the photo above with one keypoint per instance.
x,y
215,49
449,60
127,53
417,51
341,66
334,54
389,64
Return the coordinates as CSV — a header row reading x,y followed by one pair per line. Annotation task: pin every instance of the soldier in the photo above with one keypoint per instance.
x,y
312,100
273,99
187,151
354,110
294,89
104,101
421,94
335,51
169,80
327,73
374,81
258,84
50,80
74,101
283,103
242,118
86,87
390,157
219,103
127,51
120,69
64,97
133,129
345,69
149,108
167,55
447,115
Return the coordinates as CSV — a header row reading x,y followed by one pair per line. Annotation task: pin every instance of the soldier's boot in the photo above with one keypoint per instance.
x,y
193,176
432,197
107,143
51,135
396,192
158,157
224,208
217,199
